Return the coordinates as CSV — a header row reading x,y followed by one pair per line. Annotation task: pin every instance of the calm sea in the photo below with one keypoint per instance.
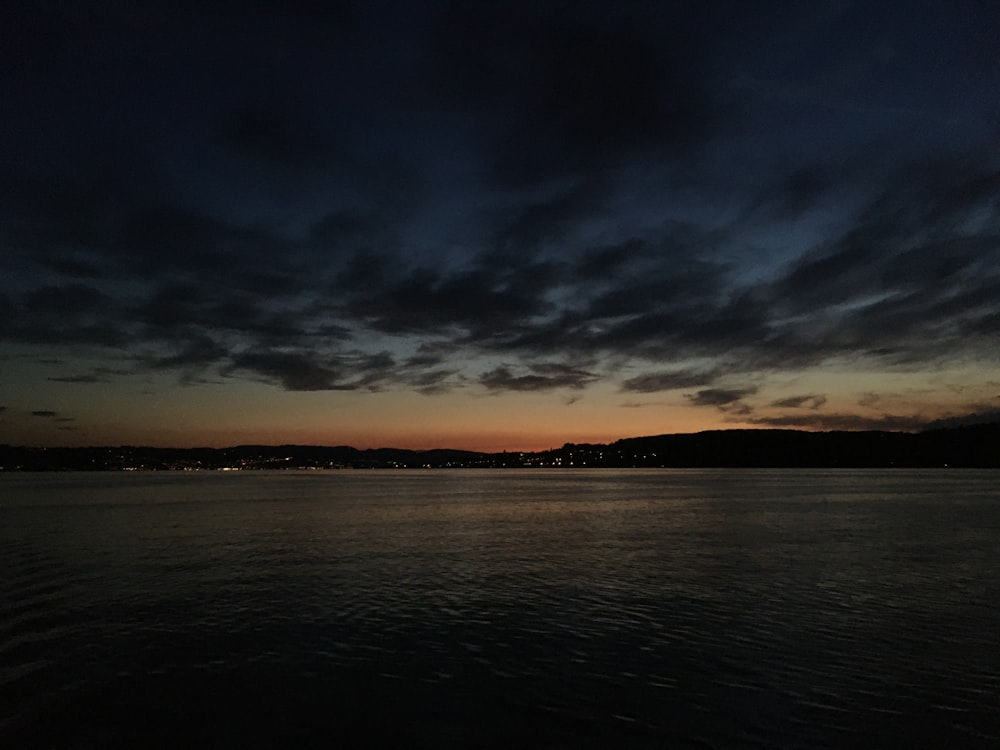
x,y
555,609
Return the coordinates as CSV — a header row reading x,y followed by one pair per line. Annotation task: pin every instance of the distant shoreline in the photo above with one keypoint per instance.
x,y
973,446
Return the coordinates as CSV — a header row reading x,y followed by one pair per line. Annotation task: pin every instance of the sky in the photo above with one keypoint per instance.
x,y
495,225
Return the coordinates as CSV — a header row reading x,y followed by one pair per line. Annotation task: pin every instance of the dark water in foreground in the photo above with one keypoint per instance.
x,y
526,608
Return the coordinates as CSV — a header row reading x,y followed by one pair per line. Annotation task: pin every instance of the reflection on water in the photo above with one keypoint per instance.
x,y
464,608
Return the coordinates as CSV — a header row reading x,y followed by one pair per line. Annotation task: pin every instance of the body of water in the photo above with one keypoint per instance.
x,y
557,609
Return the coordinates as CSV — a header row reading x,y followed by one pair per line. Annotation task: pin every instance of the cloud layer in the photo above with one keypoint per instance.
x,y
492,197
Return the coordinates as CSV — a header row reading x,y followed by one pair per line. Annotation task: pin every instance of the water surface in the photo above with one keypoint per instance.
x,y
573,608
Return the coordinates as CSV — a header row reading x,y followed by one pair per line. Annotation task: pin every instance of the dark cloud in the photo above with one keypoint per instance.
x,y
680,291
73,267
80,378
812,401
335,16
66,301
351,230
186,315
424,360
794,193
431,300
302,370
96,375
196,353
603,262
555,217
164,239
372,370
917,233
276,130
593,96
912,280
539,377
666,381
55,218
97,229
574,91
429,382
45,413
292,371
720,397
812,421
64,314
428,374
654,300
972,418
289,201
869,399
876,290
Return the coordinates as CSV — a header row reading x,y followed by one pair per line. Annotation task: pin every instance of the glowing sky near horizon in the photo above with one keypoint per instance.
x,y
495,225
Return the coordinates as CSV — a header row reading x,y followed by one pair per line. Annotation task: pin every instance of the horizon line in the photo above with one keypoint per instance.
x,y
927,428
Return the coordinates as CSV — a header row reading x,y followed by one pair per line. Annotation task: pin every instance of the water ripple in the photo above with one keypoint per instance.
x,y
644,609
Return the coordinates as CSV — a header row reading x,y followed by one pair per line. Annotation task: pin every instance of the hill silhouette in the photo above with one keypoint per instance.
x,y
966,446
